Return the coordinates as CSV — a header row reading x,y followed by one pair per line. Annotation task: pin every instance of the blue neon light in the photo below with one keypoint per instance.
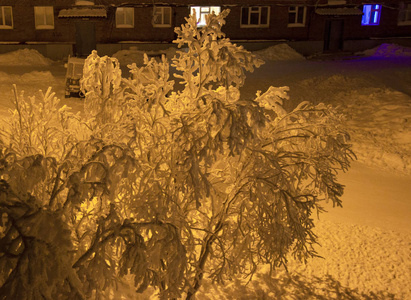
x,y
371,14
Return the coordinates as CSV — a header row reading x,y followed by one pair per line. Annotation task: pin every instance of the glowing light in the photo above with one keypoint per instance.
x,y
202,11
371,16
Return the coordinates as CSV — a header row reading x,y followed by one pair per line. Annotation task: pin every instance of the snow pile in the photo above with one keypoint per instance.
x,y
279,52
388,50
134,55
24,57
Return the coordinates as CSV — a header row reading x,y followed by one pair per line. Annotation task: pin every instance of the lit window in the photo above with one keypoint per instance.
x,y
162,16
125,17
255,16
6,17
371,14
44,17
202,11
404,16
296,16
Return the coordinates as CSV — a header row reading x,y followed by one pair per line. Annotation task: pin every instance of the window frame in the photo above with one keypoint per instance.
x,y
201,21
4,25
405,9
250,11
371,11
125,24
296,11
45,11
163,9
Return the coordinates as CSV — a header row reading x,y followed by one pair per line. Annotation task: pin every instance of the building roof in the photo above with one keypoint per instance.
x,y
84,12
340,11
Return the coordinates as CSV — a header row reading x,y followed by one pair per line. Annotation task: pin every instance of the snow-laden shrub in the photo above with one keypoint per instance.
x,y
159,185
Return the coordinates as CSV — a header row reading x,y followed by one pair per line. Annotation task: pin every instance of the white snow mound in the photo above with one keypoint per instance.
x,y
24,57
280,52
388,50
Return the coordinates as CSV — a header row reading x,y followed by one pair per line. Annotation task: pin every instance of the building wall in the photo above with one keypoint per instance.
x,y
64,32
143,29
24,25
388,26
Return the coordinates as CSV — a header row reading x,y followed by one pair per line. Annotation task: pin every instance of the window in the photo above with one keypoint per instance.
x,y
6,17
125,17
255,16
296,16
404,16
371,16
162,16
44,17
202,11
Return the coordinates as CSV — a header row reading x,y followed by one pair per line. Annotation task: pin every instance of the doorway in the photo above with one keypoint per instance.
x,y
334,35
85,38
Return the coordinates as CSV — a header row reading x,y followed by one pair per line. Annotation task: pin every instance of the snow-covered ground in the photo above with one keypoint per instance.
x,y
367,244
134,55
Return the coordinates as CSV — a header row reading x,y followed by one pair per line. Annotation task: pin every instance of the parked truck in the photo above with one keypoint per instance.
x,y
74,73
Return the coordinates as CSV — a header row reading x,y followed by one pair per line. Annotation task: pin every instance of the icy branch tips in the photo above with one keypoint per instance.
x,y
155,186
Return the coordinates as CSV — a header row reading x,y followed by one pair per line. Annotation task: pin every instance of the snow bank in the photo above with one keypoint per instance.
x,y
24,57
134,55
388,50
279,52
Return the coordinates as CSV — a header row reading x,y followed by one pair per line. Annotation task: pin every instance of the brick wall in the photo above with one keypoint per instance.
x,y
106,32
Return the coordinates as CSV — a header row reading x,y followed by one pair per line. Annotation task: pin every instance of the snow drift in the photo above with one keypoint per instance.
x,y
24,57
388,50
280,52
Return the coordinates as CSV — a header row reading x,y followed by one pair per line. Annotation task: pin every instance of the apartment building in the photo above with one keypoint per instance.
x,y
60,27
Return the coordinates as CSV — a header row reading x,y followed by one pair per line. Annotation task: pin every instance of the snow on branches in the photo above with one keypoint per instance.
x,y
159,184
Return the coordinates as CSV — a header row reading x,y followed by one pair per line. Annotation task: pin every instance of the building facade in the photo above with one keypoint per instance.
x,y
60,27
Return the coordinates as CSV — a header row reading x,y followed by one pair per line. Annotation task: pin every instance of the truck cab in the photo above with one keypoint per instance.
x,y
74,73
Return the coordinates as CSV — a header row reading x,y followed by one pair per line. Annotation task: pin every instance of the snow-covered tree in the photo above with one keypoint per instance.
x,y
159,184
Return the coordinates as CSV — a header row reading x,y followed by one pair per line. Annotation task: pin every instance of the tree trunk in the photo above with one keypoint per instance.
x,y
205,252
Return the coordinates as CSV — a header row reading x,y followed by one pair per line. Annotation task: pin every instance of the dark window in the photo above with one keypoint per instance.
x,y
6,17
296,16
255,16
